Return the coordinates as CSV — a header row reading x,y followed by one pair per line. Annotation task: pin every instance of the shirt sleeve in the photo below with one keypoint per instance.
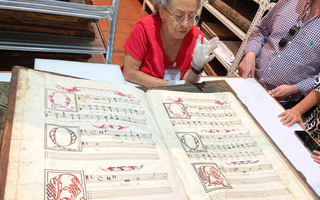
x,y
262,30
136,44
309,84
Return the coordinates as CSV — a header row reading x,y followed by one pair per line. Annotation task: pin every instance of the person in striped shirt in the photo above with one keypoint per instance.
x,y
283,50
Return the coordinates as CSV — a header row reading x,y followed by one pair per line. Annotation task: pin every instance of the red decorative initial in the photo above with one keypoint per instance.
x,y
64,187
210,175
183,113
55,104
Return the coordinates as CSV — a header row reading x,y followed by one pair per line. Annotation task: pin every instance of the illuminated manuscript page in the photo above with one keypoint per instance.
x,y
79,139
218,150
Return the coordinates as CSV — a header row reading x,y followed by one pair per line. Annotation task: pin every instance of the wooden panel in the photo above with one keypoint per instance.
x,y
209,71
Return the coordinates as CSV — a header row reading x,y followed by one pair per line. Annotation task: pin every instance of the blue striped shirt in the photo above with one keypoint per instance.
x,y
298,63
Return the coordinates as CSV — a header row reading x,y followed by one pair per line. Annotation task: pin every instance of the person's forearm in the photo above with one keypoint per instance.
x,y
142,78
294,90
308,102
251,55
191,77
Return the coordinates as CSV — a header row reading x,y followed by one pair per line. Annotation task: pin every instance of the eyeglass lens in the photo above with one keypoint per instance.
x,y
180,17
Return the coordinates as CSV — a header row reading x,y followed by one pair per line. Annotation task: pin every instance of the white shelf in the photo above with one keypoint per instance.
x,y
236,30
226,64
222,61
149,4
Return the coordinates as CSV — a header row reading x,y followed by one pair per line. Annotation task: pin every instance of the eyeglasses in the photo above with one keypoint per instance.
x,y
179,18
290,35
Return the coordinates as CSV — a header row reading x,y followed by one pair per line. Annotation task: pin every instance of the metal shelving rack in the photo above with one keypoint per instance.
x,y
264,5
24,41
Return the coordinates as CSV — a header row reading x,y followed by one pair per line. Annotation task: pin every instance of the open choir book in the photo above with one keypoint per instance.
x,y
68,138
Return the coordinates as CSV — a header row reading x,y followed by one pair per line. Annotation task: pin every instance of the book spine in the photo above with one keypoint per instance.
x,y
231,14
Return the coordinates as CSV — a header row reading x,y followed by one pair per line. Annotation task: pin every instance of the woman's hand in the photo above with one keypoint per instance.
x,y
316,158
290,117
202,52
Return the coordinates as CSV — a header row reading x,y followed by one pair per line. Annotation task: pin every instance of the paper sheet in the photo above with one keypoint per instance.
x,y
92,71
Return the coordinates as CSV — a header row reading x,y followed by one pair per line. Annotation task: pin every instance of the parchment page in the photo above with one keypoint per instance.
x,y
218,150
79,139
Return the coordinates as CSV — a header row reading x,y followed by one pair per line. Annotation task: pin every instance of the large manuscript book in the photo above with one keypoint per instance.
x,y
78,139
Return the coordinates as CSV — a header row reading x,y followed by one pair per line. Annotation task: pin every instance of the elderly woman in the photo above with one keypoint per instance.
x,y
166,47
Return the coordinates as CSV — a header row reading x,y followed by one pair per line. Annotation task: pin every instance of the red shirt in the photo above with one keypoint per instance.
x,y
144,44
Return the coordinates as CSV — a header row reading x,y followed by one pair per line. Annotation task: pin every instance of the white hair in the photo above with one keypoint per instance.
x,y
165,4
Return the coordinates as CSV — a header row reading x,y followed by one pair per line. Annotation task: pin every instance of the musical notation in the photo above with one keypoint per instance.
x,y
231,146
118,134
56,115
209,108
94,144
246,169
100,156
89,107
225,155
108,99
226,136
126,178
212,115
192,123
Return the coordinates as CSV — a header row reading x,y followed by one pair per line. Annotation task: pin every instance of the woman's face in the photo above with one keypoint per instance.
x,y
179,17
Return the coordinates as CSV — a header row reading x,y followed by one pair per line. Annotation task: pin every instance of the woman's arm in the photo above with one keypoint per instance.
x,y
191,77
132,73
292,116
308,102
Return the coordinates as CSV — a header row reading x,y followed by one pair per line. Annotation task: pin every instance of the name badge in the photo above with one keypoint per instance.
x,y
171,74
